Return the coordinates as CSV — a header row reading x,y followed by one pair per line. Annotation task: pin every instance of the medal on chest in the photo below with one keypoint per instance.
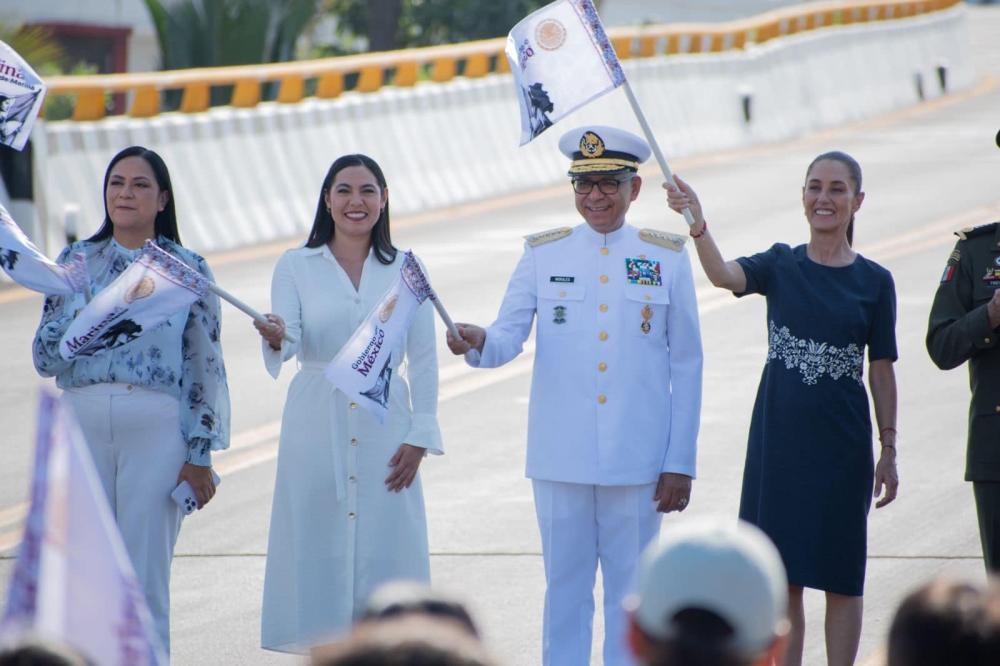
x,y
647,314
559,314
643,271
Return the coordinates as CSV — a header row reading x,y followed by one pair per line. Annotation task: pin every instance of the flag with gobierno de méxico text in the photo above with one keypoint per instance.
x,y
561,59
154,287
363,367
73,583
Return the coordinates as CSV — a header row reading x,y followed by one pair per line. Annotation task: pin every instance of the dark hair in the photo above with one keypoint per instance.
x,y
36,653
854,173
323,228
166,220
938,625
702,639
406,641
399,598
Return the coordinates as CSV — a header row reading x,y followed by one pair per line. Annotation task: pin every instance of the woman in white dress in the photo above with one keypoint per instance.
x,y
348,509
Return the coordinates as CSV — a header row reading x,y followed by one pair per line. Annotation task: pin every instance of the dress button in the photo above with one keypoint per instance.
x,y
351,516
129,387
603,307
603,336
986,340
601,399
602,366
648,297
354,442
605,251
604,279
562,294
354,405
998,409
354,479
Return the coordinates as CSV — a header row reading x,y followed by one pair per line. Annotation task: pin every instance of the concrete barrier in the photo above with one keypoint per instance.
x,y
245,176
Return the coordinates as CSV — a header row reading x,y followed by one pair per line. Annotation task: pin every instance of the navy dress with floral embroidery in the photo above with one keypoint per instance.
x,y
809,470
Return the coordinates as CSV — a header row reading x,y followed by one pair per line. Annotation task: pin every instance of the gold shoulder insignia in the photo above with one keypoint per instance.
x,y
534,240
972,232
673,242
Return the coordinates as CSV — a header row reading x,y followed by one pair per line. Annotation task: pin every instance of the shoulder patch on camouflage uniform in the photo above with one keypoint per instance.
x,y
673,242
543,237
972,232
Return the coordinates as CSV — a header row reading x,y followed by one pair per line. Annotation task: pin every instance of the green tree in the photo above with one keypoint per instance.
x,y
214,33
394,24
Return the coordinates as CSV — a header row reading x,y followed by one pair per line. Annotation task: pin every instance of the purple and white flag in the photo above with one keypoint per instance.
x,y
21,95
73,583
152,289
363,367
22,261
561,59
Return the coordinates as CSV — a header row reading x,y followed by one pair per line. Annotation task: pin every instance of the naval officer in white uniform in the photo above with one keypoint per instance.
x,y
616,389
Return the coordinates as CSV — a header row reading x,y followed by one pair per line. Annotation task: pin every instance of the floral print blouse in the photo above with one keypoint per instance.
x,y
181,357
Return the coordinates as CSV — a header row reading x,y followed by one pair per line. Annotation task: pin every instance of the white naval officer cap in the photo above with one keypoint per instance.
x,y
732,570
603,150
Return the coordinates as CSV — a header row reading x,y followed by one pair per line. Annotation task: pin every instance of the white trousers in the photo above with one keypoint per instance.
x,y
582,525
134,437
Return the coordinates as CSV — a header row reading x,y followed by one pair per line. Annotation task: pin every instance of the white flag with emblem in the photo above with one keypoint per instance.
x,y
152,289
561,59
73,583
22,261
363,367
21,95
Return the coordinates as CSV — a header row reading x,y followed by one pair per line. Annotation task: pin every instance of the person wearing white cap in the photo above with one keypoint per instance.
x,y
616,390
711,594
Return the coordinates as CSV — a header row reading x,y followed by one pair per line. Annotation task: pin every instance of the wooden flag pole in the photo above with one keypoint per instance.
x,y
469,356
652,144
240,305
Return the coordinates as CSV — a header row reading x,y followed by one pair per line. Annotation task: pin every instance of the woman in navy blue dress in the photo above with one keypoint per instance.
x,y
810,471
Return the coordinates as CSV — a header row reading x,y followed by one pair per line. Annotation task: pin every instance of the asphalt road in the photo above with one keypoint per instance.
x,y
928,171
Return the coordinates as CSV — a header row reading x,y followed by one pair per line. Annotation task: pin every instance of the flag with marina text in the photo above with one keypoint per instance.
x,y
73,583
561,59
22,261
363,367
154,287
21,95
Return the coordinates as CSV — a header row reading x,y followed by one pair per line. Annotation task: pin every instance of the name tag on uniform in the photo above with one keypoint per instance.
x,y
561,278
643,271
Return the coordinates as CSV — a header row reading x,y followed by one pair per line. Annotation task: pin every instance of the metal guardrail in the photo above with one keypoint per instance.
x,y
372,71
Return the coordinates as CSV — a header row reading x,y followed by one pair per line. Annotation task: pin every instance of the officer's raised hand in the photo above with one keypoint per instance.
x,y
993,310
673,492
473,337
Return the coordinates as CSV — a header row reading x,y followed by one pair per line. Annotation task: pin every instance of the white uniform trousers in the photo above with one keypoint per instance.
x,y
580,525
134,437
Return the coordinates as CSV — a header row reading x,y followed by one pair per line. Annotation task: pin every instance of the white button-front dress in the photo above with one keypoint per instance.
x,y
336,531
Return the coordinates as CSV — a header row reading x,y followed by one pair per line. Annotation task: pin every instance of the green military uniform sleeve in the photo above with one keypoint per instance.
x,y
958,328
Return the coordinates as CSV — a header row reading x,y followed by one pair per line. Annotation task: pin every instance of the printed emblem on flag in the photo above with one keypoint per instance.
x,y
551,34
387,309
144,288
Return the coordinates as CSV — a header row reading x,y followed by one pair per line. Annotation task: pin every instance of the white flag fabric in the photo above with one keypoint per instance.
x,y
22,261
363,367
153,288
73,583
21,95
561,59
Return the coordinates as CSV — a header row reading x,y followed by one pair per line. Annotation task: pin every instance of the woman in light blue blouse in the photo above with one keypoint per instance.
x,y
154,409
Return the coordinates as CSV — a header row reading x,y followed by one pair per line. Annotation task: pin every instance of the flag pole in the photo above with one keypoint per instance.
x,y
469,356
240,305
652,144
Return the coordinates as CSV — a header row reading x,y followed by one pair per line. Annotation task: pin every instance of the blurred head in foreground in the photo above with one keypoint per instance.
x,y
407,640
709,594
400,598
40,653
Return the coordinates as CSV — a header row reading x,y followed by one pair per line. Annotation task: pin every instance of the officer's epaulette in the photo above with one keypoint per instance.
x,y
972,232
543,237
673,242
